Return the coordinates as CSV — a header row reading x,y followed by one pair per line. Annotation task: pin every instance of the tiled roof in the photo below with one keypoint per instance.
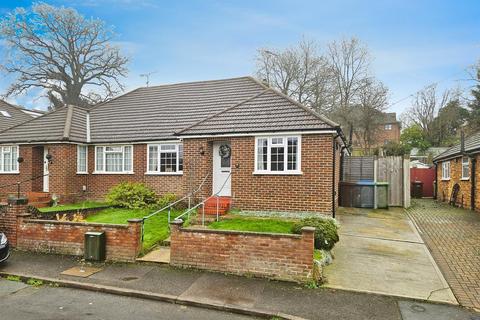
x,y
68,123
267,111
11,115
162,112
472,143
389,117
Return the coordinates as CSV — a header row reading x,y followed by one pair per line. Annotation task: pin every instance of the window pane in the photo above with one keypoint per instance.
x,y
292,154
277,158
127,158
153,158
7,159
168,162
14,158
113,162
100,154
180,157
262,156
82,159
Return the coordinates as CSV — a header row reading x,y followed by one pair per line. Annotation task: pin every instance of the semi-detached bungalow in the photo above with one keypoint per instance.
x,y
245,140
458,174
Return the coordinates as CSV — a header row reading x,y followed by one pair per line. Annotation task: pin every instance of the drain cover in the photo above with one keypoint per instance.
x,y
417,308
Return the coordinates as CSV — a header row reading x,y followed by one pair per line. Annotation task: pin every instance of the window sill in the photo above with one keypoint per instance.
x,y
100,172
82,173
465,179
12,172
444,179
278,173
164,173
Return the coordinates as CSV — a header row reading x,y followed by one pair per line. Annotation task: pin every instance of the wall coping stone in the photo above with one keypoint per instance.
x,y
135,220
246,233
308,229
86,224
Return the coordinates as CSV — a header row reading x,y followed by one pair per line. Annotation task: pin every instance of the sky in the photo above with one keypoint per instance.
x,y
412,43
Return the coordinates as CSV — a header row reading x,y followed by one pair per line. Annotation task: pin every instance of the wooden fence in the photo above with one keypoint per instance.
x,y
394,170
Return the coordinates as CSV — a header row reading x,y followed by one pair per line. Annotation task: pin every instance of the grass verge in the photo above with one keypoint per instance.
x,y
254,224
155,229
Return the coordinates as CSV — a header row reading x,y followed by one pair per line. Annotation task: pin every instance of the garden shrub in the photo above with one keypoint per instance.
x,y
326,231
132,195
166,199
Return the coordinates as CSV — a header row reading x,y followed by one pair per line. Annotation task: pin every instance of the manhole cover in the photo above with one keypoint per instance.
x,y
129,278
417,308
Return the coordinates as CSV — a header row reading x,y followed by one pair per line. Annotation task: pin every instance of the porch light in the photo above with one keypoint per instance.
x,y
201,150
20,159
49,158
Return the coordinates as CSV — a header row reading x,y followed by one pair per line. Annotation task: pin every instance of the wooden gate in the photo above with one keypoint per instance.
x,y
392,170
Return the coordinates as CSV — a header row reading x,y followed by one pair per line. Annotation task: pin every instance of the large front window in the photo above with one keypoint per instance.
x,y
165,158
113,159
8,159
277,154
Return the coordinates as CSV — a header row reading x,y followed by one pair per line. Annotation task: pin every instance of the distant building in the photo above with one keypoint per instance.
x,y
388,131
426,157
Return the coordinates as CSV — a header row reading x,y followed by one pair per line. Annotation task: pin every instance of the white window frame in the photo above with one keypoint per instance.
x,y
103,171
14,160
446,170
388,127
158,145
467,165
285,171
78,159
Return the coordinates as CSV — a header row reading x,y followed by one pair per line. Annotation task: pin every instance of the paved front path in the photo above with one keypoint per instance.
x,y
453,237
380,251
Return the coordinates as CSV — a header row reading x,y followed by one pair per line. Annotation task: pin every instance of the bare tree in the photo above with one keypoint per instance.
x,y
350,65
299,72
368,114
425,106
69,57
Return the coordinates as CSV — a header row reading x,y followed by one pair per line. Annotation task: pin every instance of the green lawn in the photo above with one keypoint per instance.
x,y
74,206
254,224
156,228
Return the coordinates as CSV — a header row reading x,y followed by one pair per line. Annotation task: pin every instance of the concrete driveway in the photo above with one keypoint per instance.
x,y
380,251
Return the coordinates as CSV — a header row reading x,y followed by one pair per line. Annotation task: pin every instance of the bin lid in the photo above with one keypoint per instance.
x,y
94,233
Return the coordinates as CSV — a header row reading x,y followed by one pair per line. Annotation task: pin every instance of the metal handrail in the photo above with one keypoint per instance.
x,y
216,195
169,206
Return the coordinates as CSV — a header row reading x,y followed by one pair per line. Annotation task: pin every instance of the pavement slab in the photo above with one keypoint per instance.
x,y
412,310
159,255
219,289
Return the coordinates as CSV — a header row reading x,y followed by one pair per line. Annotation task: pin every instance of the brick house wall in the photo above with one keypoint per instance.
x,y
276,256
445,187
381,136
310,191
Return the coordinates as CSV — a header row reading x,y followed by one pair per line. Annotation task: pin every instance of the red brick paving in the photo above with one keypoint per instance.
x,y
453,237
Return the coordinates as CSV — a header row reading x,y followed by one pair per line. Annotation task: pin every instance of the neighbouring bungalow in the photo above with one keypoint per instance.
x,y
11,115
458,175
246,141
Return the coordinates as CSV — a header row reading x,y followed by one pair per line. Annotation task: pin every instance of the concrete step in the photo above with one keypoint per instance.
x,y
160,255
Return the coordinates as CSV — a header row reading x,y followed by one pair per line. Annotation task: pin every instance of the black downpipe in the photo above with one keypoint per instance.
x,y
334,156
472,181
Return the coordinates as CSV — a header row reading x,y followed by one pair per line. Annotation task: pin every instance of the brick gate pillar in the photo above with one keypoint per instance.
x,y
17,207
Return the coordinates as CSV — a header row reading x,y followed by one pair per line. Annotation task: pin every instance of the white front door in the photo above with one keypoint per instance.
x,y
46,180
222,166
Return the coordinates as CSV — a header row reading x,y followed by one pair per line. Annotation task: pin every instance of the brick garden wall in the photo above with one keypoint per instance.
x,y
445,187
123,242
276,256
